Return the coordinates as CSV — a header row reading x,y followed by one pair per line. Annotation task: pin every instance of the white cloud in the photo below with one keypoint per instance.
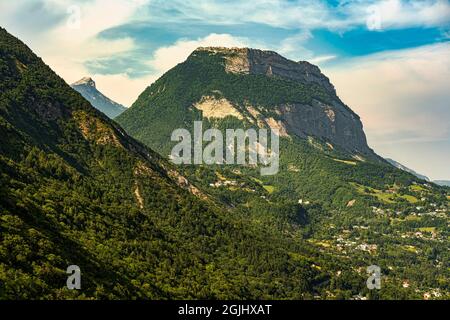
x,y
125,90
388,14
294,46
121,88
280,13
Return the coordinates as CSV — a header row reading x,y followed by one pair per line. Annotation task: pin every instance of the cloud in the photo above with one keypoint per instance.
x,y
294,46
322,59
67,38
278,13
167,57
20,17
405,90
307,14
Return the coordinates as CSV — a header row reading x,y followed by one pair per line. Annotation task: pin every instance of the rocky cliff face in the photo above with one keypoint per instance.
x,y
332,121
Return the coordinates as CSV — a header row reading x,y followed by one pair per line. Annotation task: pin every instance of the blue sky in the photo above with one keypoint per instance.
x,y
346,35
388,59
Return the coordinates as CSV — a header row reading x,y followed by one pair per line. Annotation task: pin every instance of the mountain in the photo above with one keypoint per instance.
x,y
332,190
402,167
323,147
75,189
442,182
86,86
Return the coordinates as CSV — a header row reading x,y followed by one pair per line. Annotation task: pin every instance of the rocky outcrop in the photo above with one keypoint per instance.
x,y
270,63
217,108
85,81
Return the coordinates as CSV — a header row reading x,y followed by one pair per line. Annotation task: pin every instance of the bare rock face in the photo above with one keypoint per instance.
x,y
333,122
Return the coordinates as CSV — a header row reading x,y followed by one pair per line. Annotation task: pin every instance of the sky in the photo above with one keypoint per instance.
x,y
388,59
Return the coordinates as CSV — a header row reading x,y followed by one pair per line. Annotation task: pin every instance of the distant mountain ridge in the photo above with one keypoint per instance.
x,y
87,88
404,168
329,179
256,87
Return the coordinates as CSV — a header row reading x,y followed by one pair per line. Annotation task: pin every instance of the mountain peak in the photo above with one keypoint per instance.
x,y
85,81
269,63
